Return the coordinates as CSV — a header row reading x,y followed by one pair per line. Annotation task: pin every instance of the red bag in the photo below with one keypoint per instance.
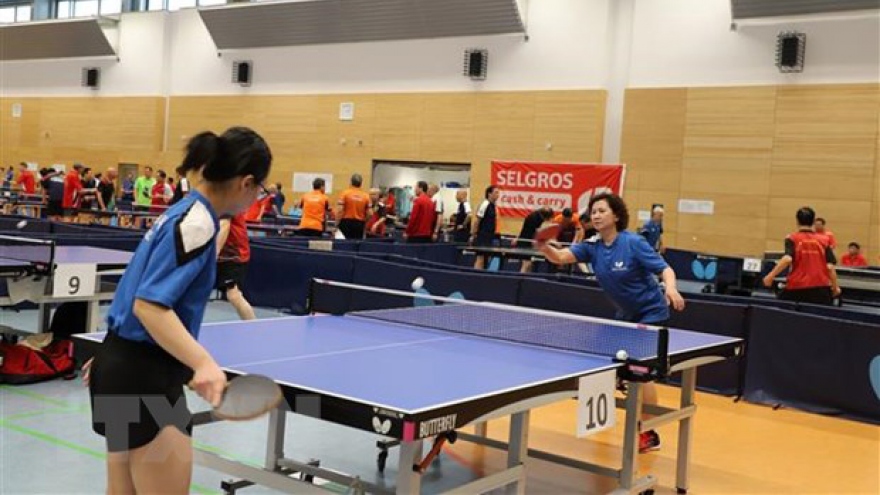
x,y
20,365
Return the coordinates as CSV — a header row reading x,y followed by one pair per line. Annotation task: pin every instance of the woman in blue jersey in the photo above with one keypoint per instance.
x,y
626,268
151,350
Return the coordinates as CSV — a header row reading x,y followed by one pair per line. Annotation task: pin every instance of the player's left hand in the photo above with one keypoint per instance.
x,y
673,298
835,291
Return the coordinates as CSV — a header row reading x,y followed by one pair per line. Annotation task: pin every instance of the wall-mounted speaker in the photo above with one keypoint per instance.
x,y
476,63
790,49
242,72
91,77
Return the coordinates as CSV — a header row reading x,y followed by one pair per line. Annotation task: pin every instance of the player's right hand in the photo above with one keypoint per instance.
x,y
209,381
87,371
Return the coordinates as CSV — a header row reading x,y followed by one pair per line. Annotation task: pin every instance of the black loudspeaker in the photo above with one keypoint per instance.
x,y
242,72
476,63
790,49
91,77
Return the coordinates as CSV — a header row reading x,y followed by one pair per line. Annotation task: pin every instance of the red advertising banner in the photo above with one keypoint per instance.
x,y
526,186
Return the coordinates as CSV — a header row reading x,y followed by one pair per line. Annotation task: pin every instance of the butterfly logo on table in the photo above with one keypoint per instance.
x,y
874,375
381,427
424,301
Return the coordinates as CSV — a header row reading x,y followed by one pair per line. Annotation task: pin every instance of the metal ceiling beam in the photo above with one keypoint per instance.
x,y
55,39
313,22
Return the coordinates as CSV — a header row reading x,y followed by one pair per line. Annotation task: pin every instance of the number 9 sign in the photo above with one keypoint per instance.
x,y
74,280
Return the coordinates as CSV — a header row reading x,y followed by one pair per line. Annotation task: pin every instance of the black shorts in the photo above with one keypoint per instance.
x,y
351,228
812,295
54,208
136,390
230,274
309,232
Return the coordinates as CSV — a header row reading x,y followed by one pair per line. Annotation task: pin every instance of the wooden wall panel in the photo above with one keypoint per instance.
x,y
99,132
759,153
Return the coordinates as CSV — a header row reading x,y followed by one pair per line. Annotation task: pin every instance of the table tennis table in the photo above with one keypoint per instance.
x,y
413,374
41,272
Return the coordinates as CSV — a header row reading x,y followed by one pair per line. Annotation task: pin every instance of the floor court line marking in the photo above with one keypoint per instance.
x,y
335,353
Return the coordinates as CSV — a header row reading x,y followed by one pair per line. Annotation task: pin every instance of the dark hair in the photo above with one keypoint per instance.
x,y
566,212
546,212
318,183
161,174
820,219
490,190
278,185
422,185
855,245
237,152
618,207
148,168
806,216
356,180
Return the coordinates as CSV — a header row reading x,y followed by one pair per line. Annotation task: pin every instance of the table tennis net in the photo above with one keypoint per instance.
x,y
39,253
510,323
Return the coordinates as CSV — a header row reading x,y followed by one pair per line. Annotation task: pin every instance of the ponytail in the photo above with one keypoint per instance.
x,y
201,150
237,152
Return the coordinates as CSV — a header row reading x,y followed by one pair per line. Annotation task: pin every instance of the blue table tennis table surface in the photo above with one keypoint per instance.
x,y
400,367
67,254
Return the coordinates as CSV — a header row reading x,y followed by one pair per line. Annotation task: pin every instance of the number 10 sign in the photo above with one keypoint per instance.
x,y
74,280
596,406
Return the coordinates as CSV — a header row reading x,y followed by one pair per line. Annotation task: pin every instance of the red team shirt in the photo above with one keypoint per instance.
x,y
237,248
72,187
26,181
810,255
422,217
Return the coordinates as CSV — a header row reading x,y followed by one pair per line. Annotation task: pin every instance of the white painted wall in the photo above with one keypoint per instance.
x,y
674,43
139,71
690,43
566,49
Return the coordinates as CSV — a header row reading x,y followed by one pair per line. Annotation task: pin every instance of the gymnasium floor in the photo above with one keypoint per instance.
x,y
48,447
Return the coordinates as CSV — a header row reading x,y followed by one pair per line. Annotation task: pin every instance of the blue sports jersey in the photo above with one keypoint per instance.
x,y
626,271
652,231
174,266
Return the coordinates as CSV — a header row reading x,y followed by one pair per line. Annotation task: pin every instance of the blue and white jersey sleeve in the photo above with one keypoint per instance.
x,y
584,251
179,254
646,256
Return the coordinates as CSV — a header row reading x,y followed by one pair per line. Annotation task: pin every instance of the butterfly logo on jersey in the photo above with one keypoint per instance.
x,y
618,266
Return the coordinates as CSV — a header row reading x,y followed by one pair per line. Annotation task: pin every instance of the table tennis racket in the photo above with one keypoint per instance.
x,y
548,233
248,397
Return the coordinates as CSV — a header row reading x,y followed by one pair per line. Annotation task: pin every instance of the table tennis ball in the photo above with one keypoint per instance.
x,y
22,224
417,283
622,355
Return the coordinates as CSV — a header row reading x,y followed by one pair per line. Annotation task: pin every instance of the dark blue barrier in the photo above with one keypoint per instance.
x,y
32,225
474,286
567,298
715,318
821,365
869,315
279,277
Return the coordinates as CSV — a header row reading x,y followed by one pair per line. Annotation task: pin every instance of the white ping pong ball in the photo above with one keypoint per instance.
x,y
622,355
22,224
417,283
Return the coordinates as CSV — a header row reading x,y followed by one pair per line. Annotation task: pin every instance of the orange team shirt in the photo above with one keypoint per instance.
x,y
72,187
257,209
354,203
832,242
315,205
